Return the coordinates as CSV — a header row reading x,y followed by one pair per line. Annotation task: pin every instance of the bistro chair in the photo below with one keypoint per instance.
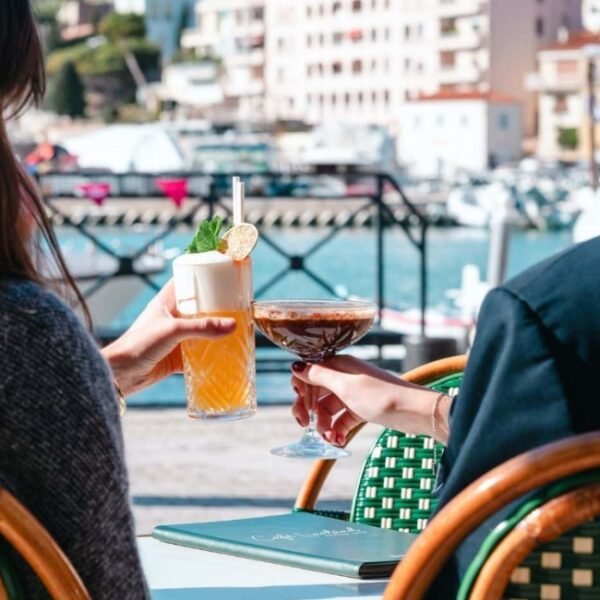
x,y
546,550
395,487
20,530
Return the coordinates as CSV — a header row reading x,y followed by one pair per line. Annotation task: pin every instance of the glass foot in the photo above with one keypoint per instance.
x,y
311,446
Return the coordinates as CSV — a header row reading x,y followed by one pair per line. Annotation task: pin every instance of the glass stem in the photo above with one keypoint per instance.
x,y
311,430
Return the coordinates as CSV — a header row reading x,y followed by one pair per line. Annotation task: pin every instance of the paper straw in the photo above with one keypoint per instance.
x,y
238,201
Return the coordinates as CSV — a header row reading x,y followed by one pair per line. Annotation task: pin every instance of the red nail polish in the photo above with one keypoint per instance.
x,y
299,421
298,367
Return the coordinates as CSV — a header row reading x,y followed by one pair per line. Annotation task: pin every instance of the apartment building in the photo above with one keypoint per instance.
x,y
359,60
563,97
233,32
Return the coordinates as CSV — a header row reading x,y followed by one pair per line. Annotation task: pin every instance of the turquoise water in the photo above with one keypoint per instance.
x,y
347,263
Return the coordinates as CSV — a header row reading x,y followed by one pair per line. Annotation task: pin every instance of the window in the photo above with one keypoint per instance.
x,y
439,121
386,97
561,105
373,65
320,68
347,99
407,64
321,99
417,121
309,11
448,27
280,43
333,99
374,97
258,13
356,5
464,120
360,98
356,35
386,65
373,35
357,66
337,67
386,3
309,40
407,32
309,71
386,34
373,4
321,39
539,27
447,60
280,74
321,10
337,6
338,37
503,121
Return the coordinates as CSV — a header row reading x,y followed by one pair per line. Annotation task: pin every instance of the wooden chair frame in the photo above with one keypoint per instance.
x,y
545,524
480,500
313,484
35,545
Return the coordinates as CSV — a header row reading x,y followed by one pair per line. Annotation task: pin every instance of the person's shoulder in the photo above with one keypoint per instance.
x,y
569,272
34,312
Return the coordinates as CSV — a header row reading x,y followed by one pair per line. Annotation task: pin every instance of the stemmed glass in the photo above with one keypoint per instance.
x,y
314,330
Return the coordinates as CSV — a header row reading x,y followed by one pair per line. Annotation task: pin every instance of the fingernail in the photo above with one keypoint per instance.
x,y
299,421
296,390
339,439
298,367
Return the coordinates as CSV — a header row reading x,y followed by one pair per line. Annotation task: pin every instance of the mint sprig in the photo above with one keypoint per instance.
x,y
207,236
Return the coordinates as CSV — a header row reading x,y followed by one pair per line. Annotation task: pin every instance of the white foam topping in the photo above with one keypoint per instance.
x,y
210,282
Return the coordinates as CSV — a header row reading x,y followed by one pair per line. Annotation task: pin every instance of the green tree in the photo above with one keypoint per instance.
x,y
568,138
67,93
117,27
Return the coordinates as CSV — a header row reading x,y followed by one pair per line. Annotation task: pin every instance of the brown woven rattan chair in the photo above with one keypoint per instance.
x,y
395,487
28,537
504,484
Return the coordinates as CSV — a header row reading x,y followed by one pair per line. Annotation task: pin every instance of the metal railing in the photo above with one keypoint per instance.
x,y
209,194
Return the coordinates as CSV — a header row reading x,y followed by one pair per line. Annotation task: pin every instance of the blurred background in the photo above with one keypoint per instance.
x,y
413,152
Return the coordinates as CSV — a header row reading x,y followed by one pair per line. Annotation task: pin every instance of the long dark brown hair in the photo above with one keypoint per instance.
x,y
22,83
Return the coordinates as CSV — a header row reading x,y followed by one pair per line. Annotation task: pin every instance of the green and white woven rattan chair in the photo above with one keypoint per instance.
x,y
394,490
548,550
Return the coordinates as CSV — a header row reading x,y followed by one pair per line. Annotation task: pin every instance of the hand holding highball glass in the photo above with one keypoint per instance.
x,y
314,330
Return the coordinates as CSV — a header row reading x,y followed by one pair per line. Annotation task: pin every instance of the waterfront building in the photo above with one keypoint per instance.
x,y
78,18
165,22
449,132
359,60
130,6
233,33
563,97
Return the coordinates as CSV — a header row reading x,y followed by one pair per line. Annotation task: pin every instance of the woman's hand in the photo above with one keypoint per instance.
x,y
352,391
149,350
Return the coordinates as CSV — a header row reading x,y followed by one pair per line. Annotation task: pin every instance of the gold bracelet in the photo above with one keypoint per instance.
x,y
122,402
434,424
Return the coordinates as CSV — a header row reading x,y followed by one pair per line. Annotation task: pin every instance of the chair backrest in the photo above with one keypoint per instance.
x,y
544,557
395,488
483,498
33,543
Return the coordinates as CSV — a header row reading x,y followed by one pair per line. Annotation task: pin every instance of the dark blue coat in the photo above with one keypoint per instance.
x,y
533,377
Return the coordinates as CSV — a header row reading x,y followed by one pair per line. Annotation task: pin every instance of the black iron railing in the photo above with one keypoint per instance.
x,y
378,193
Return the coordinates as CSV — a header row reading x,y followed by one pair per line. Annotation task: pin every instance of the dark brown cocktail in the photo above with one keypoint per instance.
x,y
316,333
314,330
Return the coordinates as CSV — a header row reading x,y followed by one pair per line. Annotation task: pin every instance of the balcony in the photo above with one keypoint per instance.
x,y
459,8
554,83
461,38
459,74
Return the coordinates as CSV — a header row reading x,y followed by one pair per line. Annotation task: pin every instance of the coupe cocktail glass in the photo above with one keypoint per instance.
x,y
314,330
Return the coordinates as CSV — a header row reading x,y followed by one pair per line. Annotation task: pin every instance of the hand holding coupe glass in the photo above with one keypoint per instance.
x,y
214,279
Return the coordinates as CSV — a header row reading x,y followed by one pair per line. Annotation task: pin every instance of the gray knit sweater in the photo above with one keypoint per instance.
x,y
61,448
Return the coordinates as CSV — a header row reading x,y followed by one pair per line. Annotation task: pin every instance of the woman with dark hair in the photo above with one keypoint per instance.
x,y
61,448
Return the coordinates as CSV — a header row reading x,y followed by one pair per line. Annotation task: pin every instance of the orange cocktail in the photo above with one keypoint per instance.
x,y
220,374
